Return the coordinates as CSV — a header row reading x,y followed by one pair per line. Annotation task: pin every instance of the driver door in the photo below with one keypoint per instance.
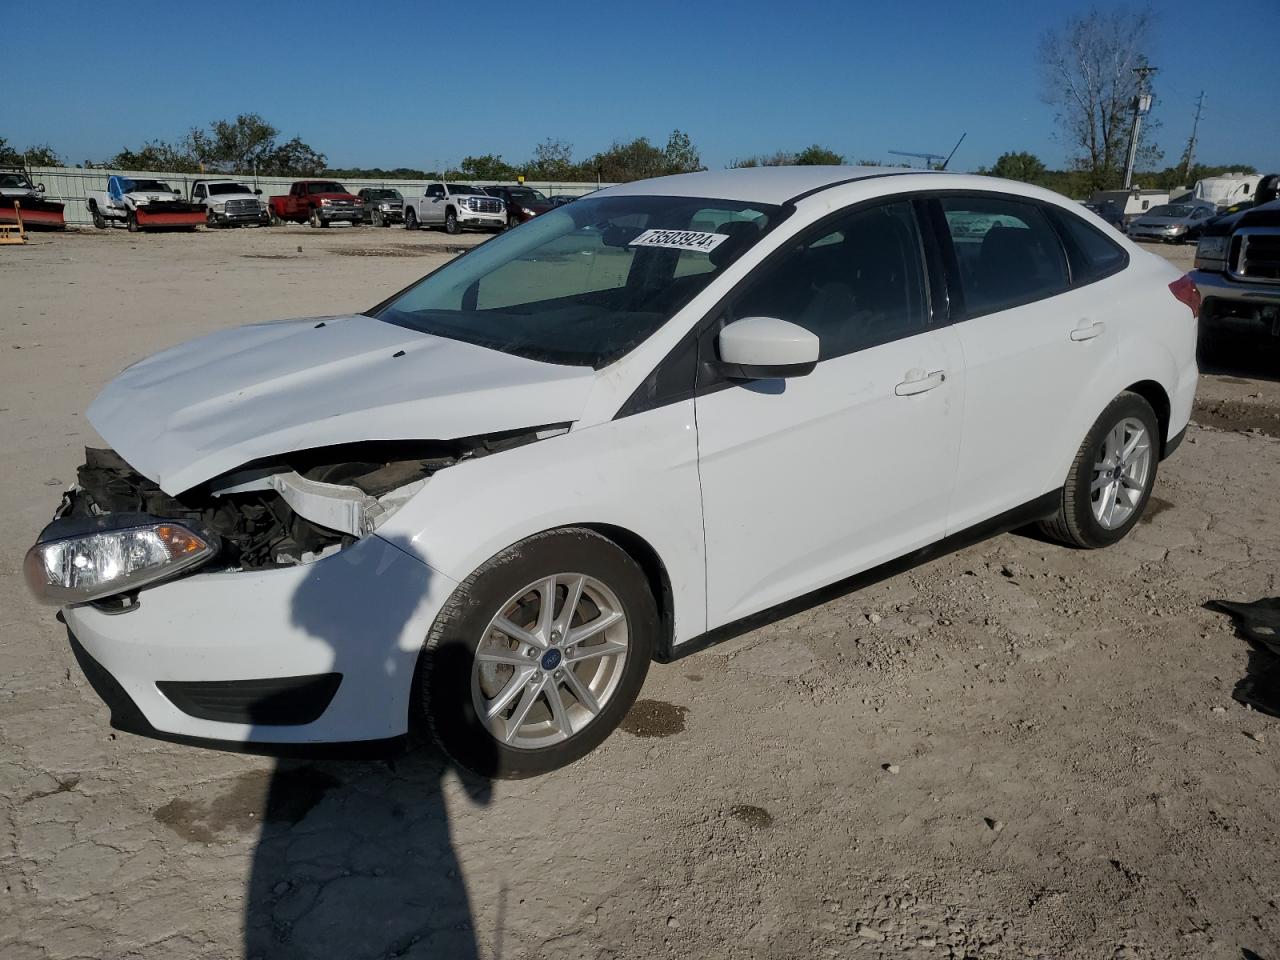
x,y
806,481
433,209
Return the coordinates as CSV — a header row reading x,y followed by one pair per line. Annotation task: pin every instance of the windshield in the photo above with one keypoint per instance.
x,y
1172,210
13,180
217,188
585,283
155,186
326,187
527,195
463,188
385,195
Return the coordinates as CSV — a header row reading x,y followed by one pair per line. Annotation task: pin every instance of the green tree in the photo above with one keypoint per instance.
x,y
1021,165
36,155
155,155
249,142
681,155
817,156
552,160
487,167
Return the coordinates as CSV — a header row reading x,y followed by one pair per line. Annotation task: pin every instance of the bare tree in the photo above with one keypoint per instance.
x,y
1088,74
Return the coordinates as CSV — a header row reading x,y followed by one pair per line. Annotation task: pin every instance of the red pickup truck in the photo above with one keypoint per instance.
x,y
319,202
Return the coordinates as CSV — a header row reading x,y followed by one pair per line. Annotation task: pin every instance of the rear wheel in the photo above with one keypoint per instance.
x,y
99,220
538,655
1111,478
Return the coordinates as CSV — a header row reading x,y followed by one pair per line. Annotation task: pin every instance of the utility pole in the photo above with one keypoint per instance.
x,y
1141,105
1191,144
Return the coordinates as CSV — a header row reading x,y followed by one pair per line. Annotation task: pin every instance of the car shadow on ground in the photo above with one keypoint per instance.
x,y
355,858
1248,358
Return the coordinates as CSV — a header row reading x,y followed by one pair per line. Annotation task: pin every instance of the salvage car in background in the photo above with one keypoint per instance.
x,y
18,195
1171,223
143,204
318,202
1238,273
523,203
229,203
380,206
493,499
454,206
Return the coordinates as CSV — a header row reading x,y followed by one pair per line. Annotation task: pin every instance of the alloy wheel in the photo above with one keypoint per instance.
x,y
549,661
1121,473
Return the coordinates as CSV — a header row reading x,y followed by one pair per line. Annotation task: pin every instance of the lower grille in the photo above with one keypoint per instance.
x,y
275,701
1255,255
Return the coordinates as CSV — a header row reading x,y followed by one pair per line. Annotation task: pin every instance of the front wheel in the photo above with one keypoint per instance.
x,y
375,219
451,222
1111,478
538,655
131,222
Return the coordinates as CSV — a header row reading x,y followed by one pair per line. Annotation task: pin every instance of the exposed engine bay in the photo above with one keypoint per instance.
x,y
296,508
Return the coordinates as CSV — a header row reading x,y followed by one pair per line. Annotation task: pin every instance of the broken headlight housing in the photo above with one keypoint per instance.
x,y
84,559
1212,248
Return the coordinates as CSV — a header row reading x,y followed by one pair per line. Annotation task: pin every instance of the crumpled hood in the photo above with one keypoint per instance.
x,y
197,410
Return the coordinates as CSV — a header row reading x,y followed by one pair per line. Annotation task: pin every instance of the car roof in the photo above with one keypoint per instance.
x,y
775,185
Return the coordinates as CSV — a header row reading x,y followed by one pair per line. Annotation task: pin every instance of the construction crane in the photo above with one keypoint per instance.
x,y
931,158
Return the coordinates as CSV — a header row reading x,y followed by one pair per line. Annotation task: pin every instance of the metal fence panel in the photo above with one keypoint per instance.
x,y
72,185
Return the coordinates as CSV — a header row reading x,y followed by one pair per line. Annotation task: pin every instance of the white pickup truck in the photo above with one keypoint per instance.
x,y
142,205
228,203
454,206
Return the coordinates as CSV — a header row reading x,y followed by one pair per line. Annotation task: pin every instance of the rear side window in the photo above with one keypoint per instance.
x,y
1006,250
1093,255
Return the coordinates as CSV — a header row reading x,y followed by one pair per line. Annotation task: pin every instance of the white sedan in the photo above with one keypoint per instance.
x,y
489,502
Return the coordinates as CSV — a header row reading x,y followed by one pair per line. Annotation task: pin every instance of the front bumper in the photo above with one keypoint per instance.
x,y
1154,233
331,214
395,215
474,218
1250,308
362,614
263,216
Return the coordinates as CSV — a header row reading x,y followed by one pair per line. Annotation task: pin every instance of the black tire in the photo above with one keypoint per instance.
x,y
131,221
1075,525
512,221
410,219
445,666
451,222
209,220
376,220
273,218
99,220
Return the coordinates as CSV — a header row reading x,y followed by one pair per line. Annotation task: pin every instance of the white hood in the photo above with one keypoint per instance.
x,y
197,410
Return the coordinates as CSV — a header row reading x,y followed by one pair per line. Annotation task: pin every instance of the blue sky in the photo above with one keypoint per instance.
x,y
426,84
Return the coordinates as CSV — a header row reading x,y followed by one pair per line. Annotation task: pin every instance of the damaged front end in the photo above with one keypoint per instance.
x,y
116,530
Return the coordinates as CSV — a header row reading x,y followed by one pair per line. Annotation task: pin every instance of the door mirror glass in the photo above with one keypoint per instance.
x,y
762,348
40,188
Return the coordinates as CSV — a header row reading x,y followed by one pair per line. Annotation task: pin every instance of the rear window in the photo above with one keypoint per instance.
x,y
1093,255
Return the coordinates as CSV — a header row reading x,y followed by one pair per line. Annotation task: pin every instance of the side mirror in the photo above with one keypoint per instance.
x,y
257,191
39,188
764,348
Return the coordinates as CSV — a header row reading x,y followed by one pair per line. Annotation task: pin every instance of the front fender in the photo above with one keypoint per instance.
x,y
639,473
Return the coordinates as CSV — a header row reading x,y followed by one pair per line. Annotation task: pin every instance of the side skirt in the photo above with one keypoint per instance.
x,y
1041,508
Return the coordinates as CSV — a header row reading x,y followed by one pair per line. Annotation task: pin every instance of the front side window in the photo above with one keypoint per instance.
x,y
1006,251
585,283
855,282
435,190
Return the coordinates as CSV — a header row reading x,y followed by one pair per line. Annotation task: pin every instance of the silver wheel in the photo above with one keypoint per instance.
x,y
549,661
1121,473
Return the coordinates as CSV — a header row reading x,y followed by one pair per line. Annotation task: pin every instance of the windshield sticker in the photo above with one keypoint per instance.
x,y
680,240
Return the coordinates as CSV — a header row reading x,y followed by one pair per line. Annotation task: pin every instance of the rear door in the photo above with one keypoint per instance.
x,y
1031,345
806,481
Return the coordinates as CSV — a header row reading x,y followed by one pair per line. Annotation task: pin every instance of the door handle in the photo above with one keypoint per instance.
x,y
919,382
1088,331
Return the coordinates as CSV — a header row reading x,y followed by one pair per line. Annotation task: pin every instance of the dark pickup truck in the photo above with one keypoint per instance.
x,y
319,202
1237,270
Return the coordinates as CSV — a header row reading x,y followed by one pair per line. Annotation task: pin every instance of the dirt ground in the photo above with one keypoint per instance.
x,y
1015,751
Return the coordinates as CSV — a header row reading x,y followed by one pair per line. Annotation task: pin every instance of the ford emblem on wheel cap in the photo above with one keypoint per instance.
x,y
551,660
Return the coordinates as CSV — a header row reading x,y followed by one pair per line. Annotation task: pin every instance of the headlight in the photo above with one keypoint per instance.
x,y
139,201
73,562
1177,228
1212,248
384,206
527,212
325,201
219,207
